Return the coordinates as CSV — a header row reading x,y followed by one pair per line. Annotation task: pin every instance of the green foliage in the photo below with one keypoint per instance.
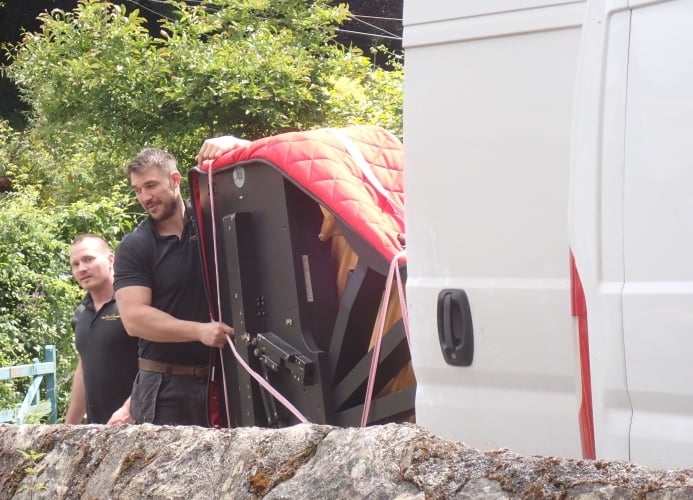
x,y
38,296
38,413
351,97
33,274
32,470
99,87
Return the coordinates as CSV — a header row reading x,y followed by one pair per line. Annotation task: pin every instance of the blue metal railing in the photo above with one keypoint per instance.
x,y
39,371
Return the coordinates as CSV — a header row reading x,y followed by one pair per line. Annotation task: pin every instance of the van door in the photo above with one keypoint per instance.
x,y
658,232
632,226
487,114
596,227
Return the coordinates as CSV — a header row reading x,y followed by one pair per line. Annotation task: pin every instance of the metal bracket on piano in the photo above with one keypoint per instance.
x,y
273,352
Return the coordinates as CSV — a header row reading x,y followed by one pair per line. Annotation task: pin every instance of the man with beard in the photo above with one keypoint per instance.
x,y
107,361
162,300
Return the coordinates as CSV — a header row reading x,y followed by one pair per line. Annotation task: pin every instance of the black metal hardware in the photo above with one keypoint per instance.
x,y
273,352
455,330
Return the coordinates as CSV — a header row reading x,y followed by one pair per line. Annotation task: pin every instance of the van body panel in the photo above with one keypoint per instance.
x,y
658,233
417,12
459,21
632,226
596,217
487,152
500,192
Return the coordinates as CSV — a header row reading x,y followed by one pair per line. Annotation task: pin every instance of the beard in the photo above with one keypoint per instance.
x,y
165,210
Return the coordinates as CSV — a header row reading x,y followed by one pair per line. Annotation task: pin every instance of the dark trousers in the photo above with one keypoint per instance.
x,y
162,399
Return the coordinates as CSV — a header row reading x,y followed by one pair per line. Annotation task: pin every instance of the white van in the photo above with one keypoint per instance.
x,y
550,226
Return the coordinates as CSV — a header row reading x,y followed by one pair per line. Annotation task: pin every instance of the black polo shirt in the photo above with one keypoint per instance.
x,y
109,358
171,269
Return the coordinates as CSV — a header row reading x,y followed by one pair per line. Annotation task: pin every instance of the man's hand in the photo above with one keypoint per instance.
x,y
215,147
121,415
214,334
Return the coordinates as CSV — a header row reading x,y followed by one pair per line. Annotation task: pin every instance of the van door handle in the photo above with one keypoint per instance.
x,y
455,331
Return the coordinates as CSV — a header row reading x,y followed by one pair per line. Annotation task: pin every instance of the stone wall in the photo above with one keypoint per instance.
x,y
303,462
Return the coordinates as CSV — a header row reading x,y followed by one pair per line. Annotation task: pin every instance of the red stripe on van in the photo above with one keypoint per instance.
x,y
579,310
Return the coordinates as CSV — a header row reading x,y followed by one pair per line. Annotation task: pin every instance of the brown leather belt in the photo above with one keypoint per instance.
x,y
155,366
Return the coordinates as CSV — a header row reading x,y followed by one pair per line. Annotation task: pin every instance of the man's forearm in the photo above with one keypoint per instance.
x,y
155,325
78,406
149,323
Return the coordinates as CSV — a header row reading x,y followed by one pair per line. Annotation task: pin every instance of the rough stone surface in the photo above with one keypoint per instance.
x,y
402,462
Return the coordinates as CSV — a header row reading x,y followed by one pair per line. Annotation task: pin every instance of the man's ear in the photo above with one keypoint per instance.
x,y
175,178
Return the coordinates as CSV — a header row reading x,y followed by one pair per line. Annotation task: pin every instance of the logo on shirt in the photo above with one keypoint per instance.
x,y
110,317
192,238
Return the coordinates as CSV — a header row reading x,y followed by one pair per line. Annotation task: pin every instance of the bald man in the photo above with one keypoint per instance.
x,y
107,362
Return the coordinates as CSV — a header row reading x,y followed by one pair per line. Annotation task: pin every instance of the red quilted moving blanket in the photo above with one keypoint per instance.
x,y
355,172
